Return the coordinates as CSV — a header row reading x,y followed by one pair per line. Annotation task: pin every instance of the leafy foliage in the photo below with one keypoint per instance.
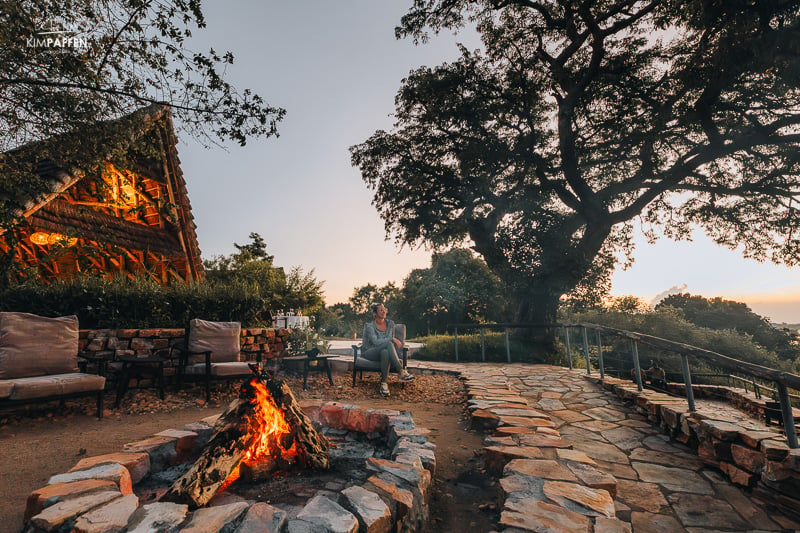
x,y
581,117
252,265
442,348
120,56
139,303
363,297
667,323
717,313
457,288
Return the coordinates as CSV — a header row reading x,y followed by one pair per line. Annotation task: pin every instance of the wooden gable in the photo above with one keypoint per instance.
x,y
129,222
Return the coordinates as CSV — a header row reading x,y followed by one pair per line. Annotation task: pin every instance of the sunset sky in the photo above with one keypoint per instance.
x,y
335,67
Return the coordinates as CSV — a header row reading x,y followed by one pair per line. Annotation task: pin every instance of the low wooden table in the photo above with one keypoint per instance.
x,y
322,364
133,366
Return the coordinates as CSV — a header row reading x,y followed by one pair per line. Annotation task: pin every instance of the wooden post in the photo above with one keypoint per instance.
x,y
600,354
788,416
569,353
586,352
508,348
483,344
456,342
636,368
687,381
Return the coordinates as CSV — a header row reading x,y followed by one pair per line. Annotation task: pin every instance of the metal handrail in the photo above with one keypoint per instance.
x,y
783,380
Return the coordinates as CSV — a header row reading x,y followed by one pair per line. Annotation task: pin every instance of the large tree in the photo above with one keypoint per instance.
x,y
68,68
581,117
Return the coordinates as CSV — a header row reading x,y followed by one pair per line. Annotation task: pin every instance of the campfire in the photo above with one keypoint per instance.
x,y
261,432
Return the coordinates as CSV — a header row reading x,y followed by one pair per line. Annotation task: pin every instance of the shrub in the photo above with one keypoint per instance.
x,y
669,324
442,348
138,303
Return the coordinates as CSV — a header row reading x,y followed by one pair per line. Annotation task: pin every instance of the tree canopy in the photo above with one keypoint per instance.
x,y
68,70
251,264
458,287
579,118
718,313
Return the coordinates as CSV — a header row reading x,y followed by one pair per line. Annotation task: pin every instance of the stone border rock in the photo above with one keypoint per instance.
x,y
96,495
760,460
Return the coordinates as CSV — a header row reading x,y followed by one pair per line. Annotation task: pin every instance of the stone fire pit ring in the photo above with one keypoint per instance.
x,y
97,494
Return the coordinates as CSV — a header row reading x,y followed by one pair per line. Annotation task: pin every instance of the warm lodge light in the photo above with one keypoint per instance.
x,y
271,429
43,238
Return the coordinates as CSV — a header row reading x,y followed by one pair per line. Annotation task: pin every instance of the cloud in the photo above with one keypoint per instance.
x,y
669,292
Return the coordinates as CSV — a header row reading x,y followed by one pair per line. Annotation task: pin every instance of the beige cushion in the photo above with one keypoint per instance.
x,y
44,386
5,388
32,345
221,338
220,369
73,383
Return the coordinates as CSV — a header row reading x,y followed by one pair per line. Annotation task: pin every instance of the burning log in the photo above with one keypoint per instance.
x,y
312,446
263,431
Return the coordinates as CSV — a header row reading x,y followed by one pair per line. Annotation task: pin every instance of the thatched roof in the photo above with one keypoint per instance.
x,y
49,213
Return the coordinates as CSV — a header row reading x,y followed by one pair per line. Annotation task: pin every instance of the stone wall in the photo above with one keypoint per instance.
x,y
116,343
758,458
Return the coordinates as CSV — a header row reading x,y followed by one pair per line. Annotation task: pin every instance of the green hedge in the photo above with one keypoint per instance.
x,y
442,348
139,303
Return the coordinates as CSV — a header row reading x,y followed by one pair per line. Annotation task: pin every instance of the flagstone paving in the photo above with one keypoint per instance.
x,y
574,457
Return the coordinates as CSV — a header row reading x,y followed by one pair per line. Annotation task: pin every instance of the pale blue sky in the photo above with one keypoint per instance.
x,y
335,67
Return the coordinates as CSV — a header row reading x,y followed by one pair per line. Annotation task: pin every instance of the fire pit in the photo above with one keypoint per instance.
x,y
377,477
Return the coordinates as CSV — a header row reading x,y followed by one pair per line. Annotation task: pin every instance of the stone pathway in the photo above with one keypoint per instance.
x,y
574,457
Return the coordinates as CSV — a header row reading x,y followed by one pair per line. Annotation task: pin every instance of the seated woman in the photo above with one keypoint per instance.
x,y
379,344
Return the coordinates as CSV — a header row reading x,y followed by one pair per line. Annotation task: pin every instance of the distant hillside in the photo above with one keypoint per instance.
x,y
793,327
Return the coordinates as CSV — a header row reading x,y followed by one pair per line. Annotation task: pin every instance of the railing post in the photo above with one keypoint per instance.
x,y
483,345
508,348
456,339
600,354
586,352
788,416
687,381
569,353
756,389
636,367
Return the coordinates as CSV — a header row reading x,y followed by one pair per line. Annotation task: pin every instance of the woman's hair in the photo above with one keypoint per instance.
x,y
374,307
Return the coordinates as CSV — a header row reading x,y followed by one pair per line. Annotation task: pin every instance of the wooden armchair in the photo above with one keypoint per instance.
x,y
361,365
212,352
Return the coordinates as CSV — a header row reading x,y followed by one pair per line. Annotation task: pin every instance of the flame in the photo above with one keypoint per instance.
x,y
269,425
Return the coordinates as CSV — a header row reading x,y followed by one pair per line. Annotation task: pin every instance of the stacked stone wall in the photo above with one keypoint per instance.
x,y
757,458
116,343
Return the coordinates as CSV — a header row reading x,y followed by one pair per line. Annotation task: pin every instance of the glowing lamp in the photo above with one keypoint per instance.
x,y
42,238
